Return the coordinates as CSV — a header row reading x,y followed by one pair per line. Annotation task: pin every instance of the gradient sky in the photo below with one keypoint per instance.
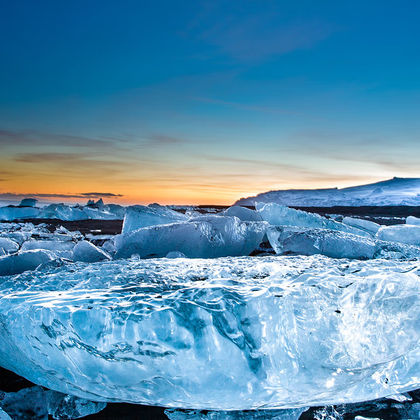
x,y
205,101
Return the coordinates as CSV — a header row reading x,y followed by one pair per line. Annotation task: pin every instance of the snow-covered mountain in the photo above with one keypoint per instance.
x,y
393,192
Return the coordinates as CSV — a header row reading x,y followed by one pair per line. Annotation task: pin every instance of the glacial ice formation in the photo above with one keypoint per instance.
x,y
9,246
278,215
407,234
335,244
137,217
61,248
35,403
242,213
24,261
411,220
362,224
85,251
226,334
332,243
201,237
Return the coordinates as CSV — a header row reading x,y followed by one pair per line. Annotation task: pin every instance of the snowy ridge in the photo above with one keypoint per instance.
x,y
393,192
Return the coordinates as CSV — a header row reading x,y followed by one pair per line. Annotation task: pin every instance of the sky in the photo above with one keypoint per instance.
x,y
204,102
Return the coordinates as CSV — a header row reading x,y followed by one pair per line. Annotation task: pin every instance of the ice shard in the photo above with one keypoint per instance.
x,y
137,217
332,243
362,224
278,215
9,246
201,237
24,261
243,213
223,334
289,240
407,234
411,220
87,252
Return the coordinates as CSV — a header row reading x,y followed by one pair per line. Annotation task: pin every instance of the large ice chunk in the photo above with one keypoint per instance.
x,y
137,217
243,213
278,215
201,237
8,245
63,249
100,214
335,244
362,224
407,234
23,261
411,220
223,334
87,252
117,210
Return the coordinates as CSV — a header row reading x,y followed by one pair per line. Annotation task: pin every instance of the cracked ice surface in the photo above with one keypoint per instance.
x,y
226,334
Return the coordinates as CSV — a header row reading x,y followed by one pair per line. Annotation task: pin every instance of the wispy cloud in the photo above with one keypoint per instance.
x,y
161,139
48,157
246,107
253,162
253,39
250,35
100,194
38,138
11,195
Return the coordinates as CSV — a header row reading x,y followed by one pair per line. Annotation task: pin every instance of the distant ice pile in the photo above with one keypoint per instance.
x,y
226,334
93,210
13,213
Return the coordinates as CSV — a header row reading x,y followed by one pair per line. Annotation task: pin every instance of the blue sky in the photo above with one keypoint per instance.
x,y
206,101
